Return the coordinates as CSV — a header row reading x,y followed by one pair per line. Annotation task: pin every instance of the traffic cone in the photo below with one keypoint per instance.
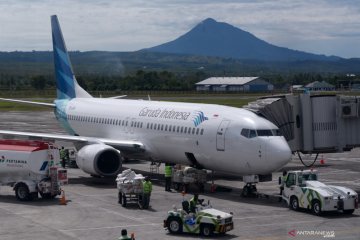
x,y
322,161
62,198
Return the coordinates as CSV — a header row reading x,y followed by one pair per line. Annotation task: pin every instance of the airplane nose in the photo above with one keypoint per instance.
x,y
278,152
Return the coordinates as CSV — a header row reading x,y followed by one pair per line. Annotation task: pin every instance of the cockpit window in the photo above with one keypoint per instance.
x,y
250,133
264,132
276,132
245,132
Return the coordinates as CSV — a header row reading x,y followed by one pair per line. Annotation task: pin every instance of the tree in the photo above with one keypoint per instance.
x,y
38,82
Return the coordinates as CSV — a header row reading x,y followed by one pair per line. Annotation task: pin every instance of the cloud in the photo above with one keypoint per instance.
x,y
137,24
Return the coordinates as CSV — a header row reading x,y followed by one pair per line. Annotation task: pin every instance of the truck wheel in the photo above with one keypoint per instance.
x,y
294,203
350,211
123,203
120,198
206,230
316,207
174,225
22,192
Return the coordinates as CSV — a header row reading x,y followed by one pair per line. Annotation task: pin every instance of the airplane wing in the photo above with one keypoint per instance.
x,y
122,145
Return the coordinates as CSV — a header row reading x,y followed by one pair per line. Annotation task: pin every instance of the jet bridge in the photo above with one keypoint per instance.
x,y
313,123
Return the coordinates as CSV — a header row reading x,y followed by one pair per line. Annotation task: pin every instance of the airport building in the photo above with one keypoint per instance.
x,y
234,84
320,86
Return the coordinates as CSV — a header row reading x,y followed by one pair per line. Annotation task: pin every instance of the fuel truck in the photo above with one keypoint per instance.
x,y
31,168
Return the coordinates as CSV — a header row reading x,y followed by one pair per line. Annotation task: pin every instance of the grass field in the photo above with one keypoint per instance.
x,y
234,100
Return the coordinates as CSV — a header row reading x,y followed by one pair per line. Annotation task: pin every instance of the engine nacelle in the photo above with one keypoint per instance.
x,y
99,159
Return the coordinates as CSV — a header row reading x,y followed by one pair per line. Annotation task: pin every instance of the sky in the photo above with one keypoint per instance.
x,y
330,27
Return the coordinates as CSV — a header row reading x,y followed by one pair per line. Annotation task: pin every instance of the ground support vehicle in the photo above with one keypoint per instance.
x,y
130,188
205,221
303,190
182,179
31,168
71,162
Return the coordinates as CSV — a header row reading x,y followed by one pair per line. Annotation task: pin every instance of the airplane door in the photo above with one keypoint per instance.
x,y
220,135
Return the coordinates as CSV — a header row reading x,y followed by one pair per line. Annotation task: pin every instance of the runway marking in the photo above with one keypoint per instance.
x,y
120,226
260,217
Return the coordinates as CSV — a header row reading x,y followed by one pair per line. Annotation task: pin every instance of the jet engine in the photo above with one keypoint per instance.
x,y
99,160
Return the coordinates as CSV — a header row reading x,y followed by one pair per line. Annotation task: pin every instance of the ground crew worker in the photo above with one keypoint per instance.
x,y
147,188
282,184
63,156
194,201
124,235
168,174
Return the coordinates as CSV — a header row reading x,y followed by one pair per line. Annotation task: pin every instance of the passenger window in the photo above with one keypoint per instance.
x,y
162,127
178,128
165,127
155,125
193,131
185,129
174,128
202,131
181,129
189,130
197,131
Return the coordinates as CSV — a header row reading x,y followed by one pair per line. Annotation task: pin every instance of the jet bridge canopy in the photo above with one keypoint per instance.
x,y
313,123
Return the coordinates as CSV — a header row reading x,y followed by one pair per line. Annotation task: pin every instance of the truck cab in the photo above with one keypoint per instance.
x,y
303,190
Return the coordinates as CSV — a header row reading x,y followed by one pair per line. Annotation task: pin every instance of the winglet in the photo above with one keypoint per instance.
x,y
66,84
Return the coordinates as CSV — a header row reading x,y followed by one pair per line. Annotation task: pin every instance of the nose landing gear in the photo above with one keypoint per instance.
x,y
249,189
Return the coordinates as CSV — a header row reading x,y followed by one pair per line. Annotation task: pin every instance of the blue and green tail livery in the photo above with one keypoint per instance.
x,y
66,84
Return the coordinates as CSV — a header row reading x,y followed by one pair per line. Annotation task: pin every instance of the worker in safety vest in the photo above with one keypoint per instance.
x,y
168,174
194,201
282,184
124,235
147,188
63,156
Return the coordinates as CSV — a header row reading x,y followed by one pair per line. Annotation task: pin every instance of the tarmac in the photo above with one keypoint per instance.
x,y
93,212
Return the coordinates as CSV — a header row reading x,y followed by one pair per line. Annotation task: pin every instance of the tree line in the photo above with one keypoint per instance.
x,y
158,80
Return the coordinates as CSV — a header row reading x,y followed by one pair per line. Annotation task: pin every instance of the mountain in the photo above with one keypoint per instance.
x,y
212,38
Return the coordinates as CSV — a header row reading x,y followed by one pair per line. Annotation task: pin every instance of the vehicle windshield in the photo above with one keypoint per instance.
x,y
309,177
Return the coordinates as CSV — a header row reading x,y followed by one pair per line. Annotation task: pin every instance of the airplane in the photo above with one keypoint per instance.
x,y
106,130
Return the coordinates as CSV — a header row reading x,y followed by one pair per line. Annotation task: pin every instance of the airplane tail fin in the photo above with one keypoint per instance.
x,y
66,84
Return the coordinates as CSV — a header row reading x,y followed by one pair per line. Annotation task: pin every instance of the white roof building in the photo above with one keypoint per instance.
x,y
234,84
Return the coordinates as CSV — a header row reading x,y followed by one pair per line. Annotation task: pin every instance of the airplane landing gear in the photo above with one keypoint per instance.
x,y
249,190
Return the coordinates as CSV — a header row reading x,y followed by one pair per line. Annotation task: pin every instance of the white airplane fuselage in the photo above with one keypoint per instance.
x,y
205,135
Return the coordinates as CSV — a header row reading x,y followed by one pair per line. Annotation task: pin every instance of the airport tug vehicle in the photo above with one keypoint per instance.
x,y
31,168
303,190
205,221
